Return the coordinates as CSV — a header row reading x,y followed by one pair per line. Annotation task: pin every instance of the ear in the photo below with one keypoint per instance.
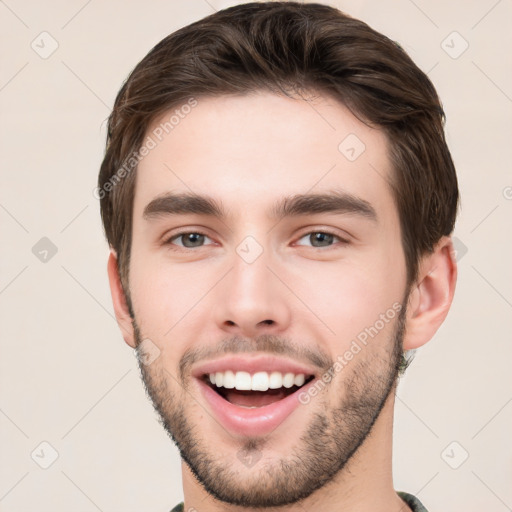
x,y
432,295
124,320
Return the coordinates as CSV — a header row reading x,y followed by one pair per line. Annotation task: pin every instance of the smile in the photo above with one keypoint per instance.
x,y
251,412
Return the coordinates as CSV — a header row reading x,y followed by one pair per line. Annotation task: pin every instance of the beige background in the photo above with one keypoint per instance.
x,y
66,376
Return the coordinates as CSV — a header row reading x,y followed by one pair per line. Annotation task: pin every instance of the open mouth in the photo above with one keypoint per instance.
x,y
236,388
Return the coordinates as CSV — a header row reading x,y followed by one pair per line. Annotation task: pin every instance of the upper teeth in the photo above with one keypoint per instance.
x,y
259,381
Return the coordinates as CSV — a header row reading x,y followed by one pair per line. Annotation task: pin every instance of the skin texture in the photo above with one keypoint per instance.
x,y
249,152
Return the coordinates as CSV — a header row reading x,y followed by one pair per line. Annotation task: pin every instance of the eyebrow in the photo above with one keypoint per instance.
x,y
300,204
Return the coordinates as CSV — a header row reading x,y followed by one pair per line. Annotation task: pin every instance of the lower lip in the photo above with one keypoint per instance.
x,y
256,421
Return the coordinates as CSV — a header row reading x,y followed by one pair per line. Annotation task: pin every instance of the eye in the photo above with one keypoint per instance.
x,y
190,239
195,239
320,239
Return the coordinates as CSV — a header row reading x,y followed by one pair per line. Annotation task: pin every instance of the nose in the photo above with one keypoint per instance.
x,y
251,300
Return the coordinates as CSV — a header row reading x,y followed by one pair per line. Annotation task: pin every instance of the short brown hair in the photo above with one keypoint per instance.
x,y
282,47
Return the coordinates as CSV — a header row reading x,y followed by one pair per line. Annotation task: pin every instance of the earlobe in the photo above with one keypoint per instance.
x,y
124,320
432,295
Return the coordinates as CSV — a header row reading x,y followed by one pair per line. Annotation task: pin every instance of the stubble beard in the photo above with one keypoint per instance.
x,y
328,443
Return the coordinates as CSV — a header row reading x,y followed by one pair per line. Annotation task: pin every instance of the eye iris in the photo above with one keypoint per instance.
x,y
195,238
323,238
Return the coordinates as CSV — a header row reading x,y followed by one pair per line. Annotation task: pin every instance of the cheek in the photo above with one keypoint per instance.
x,y
161,298
170,298
348,296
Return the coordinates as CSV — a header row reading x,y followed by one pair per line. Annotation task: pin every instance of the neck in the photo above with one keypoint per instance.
x,y
364,485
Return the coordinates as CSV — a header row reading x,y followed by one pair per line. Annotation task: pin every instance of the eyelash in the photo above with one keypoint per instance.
x,y
169,240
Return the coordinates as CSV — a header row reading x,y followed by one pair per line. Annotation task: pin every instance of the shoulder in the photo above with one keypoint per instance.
x,y
413,502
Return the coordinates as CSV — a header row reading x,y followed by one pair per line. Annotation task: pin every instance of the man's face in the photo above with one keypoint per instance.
x,y
268,290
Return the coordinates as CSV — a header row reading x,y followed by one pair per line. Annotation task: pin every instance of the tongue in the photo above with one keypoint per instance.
x,y
256,398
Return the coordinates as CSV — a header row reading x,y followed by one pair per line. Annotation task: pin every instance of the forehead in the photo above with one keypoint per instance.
x,y
252,150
